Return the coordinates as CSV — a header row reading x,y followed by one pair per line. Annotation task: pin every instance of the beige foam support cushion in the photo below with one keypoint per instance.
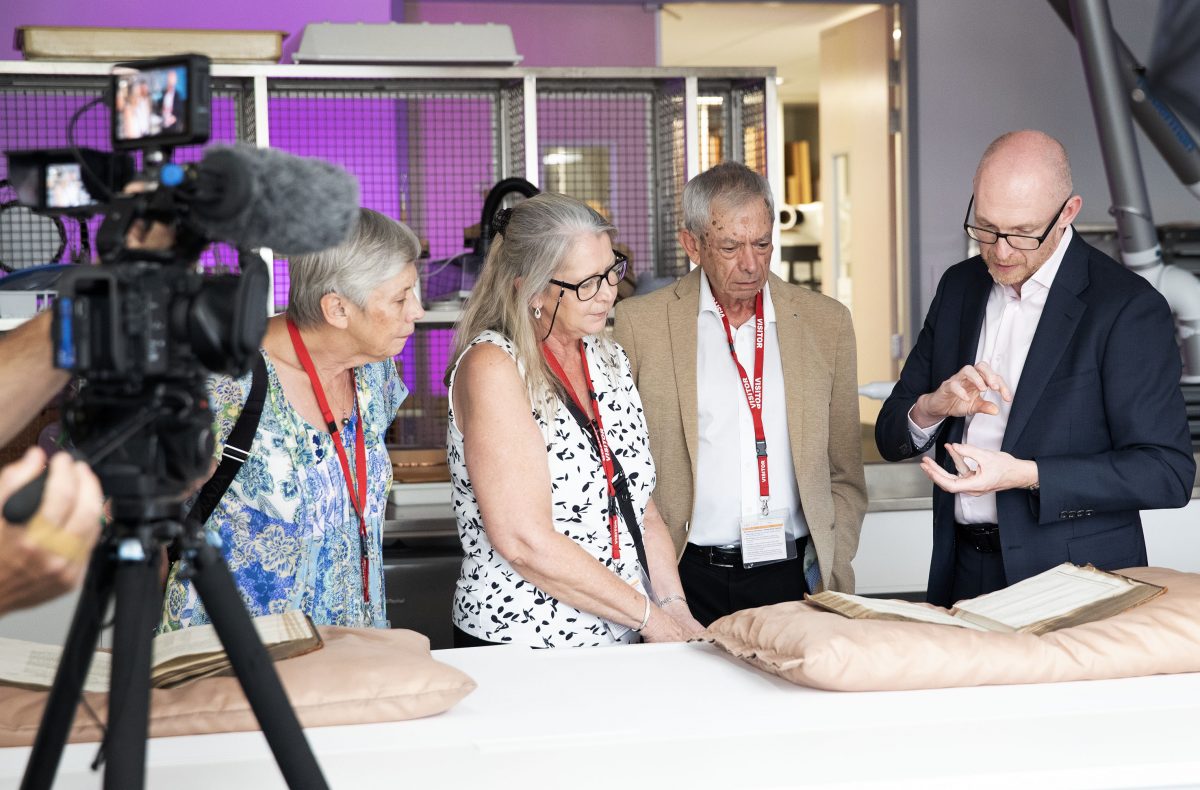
x,y
820,649
361,675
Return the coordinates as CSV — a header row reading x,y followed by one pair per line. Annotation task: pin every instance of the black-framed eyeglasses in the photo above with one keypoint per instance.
x,y
1015,240
587,289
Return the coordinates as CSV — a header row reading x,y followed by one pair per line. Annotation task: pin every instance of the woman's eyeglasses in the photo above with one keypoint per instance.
x,y
587,289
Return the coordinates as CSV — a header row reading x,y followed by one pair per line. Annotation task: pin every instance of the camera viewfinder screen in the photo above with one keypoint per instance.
x,y
150,103
64,186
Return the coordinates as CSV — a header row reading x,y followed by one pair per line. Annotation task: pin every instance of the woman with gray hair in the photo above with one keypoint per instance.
x,y
300,522
548,451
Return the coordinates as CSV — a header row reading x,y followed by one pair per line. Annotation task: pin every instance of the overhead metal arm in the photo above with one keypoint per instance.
x,y
1160,123
1110,71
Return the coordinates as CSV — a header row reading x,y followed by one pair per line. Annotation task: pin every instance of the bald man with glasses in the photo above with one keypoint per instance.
x,y
1046,380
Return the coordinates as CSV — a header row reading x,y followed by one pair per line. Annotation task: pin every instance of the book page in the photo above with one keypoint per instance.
x,y
33,665
858,607
1048,595
202,640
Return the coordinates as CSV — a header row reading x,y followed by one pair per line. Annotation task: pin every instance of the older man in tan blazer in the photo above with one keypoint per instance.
x,y
759,455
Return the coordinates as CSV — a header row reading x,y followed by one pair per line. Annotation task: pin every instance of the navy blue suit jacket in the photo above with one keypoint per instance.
x,y
1098,408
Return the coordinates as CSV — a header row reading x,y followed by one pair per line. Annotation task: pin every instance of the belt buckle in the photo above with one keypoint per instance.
x,y
984,538
715,559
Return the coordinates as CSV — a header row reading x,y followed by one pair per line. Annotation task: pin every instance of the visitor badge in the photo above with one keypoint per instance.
x,y
767,539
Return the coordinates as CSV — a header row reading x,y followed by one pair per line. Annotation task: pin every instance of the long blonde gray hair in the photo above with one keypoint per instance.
x,y
523,257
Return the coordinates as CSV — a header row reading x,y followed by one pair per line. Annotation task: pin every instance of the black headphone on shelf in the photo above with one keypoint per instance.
x,y
27,238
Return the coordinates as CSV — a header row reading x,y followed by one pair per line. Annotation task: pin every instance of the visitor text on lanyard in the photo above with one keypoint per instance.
x,y
754,392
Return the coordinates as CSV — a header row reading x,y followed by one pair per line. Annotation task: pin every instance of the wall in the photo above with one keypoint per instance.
x,y
570,34
858,232
289,16
556,34
984,68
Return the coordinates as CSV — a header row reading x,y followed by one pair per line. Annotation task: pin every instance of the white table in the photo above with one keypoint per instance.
x,y
686,716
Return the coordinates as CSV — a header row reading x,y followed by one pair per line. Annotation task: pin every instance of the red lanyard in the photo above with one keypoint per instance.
x,y
357,497
753,391
597,429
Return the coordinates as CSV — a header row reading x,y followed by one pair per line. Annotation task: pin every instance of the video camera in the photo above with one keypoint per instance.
x,y
145,312
140,330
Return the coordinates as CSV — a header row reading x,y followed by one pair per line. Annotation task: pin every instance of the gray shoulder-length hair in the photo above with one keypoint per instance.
x,y
522,259
730,184
377,250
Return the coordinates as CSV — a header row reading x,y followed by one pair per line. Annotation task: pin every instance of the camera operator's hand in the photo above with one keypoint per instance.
x,y
48,556
147,234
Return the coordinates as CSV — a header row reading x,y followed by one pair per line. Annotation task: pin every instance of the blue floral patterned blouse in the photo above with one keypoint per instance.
x,y
286,525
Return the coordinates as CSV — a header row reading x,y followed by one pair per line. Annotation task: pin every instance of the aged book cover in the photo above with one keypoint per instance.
x,y
178,656
1061,597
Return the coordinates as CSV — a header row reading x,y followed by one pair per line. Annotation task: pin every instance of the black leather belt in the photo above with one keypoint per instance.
x,y
984,538
729,556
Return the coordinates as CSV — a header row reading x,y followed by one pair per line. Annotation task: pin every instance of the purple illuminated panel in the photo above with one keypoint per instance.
x,y
457,167
363,134
288,16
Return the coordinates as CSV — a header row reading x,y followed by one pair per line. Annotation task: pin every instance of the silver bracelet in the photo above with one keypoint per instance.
x,y
646,616
671,599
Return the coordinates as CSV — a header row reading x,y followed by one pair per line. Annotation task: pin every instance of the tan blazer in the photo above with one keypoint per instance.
x,y
816,341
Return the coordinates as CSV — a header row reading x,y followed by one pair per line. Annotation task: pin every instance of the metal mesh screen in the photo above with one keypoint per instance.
x,y
749,109
425,156
35,114
671,174
426,152
712,125
597,144
732,123
513,130
421,420
714,120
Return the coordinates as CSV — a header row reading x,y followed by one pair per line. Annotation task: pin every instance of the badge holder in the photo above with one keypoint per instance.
x,y
766,538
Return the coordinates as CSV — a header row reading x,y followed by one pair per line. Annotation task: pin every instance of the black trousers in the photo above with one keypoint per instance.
x,y
976,572
713,591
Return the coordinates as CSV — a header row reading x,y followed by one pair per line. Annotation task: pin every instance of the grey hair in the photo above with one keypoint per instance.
x,y
539,235
729,184
1053,154
377,250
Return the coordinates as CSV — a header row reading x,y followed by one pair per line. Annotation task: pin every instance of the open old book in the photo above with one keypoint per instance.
x,y
186,654
1061,597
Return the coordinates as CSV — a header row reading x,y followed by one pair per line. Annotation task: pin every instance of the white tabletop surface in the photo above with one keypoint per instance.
x,y
686,716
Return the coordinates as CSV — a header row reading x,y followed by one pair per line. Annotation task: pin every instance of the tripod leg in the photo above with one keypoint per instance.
x,y
254,670
72,670
138,602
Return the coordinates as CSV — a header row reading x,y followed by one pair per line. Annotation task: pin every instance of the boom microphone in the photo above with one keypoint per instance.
x,y
262,197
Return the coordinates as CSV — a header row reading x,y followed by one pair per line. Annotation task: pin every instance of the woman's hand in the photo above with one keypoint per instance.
x,y
661,627
677,609
671,623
